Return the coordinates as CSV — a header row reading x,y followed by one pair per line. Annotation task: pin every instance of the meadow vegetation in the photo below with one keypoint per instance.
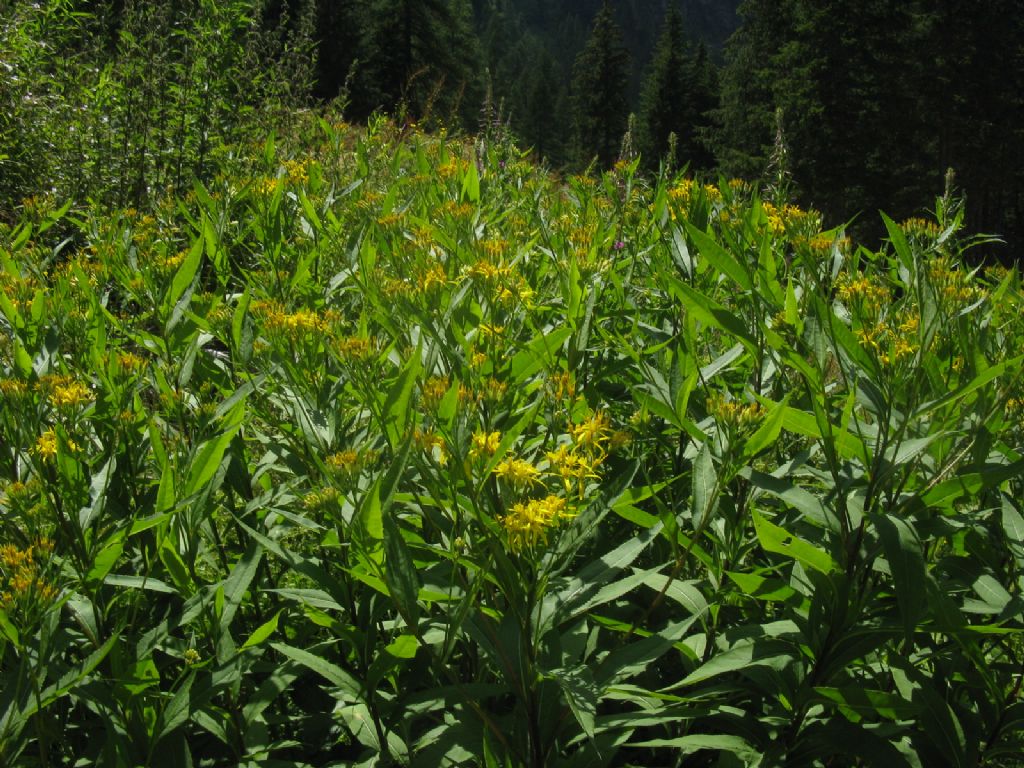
x,y
359,445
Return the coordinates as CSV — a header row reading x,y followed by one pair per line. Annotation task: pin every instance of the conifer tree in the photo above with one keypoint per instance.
x,y
745,119
421,56
600,76
542,103
666,103
341,43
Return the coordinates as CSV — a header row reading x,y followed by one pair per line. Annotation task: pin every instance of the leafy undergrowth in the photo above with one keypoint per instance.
x,y
386,449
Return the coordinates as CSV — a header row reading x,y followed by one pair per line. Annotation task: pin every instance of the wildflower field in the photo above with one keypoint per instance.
x,y
392,449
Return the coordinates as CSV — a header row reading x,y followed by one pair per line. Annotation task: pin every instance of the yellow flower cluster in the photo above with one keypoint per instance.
x,y
528,523
433,445
130,362
432,277
266,186
920,228
485,444
321,499
562,386
293,325
296,171
494,248
891,345
23,581
390,220
167,263
575,468
13,388
869,293
449,169
592,433
355,349
453,210
65,391
518,473
349,462
577,464
952,285
433,391
734,415
46,445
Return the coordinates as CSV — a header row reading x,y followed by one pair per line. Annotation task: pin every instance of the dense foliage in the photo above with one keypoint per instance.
x,y
324,444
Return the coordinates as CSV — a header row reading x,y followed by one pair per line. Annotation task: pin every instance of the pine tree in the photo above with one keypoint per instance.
x,y
541,105
666,102
601,107
704,89
341,43
421,57
745,118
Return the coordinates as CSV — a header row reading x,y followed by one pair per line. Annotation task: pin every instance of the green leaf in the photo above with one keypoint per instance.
x,y
779,540
982,379
539,353
165,492
806,424
796,497
584,590
697,742
208,459
403,647
175,566
712,313
720,258
237,583
705,483
326,669
8,629
904,552
992,592
396,407
970,484
471,183
106,559
864,701
763,588
241,332
759,652
97,494
175,713
581,694
262,632
768,432
400,572
184,276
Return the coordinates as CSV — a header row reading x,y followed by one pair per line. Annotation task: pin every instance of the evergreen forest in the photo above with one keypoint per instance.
x,y
511,383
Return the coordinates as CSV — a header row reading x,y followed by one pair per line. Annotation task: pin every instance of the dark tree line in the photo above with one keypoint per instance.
x,y
878,99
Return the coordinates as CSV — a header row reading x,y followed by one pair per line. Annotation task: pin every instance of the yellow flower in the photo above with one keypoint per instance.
x,y
13,387
527,523
69,394
343,461
573,469
434,390
46,445
484,444
433,277
563,385
433,444
517,473
593,433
